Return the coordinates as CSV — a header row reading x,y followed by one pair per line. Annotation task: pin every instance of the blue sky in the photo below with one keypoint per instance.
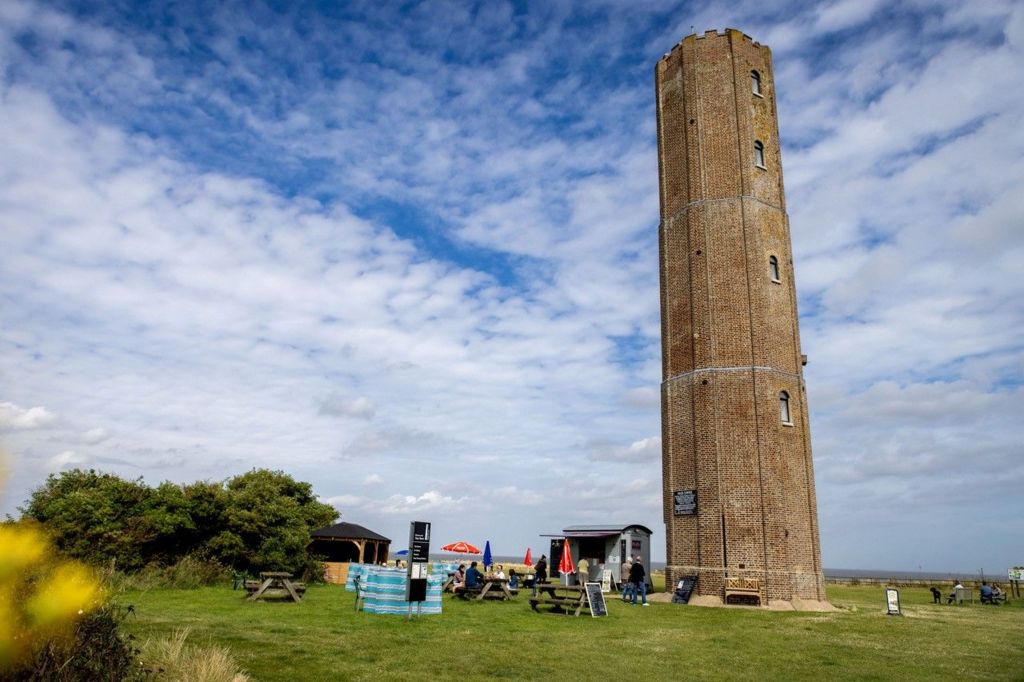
x,y
408,252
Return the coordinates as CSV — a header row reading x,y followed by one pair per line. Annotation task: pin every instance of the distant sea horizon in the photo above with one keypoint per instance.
x,y
866,573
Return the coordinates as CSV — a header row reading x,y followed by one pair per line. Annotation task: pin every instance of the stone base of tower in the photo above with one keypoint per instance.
x,y
780,591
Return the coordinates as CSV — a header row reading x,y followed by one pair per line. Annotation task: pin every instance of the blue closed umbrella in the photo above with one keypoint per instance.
x,y
487,555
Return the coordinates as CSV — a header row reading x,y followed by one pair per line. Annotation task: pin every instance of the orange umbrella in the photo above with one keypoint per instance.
x,y
461,547
565,565
528,561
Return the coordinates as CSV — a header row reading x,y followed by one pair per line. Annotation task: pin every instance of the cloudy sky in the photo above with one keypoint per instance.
x,y
409,254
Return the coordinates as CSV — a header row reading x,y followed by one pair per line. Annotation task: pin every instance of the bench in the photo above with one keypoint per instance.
x,y
960,595
253,585
743,590
566,599
464,592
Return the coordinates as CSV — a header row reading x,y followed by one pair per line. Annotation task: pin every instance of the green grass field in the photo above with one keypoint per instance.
x,y
325,639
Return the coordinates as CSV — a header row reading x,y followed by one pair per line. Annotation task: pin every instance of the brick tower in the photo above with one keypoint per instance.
x,y
737,474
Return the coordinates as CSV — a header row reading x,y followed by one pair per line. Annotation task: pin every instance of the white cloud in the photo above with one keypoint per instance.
x,y
642,398
338,406
643,450
430,501
65,460
445,249
94,436
13,417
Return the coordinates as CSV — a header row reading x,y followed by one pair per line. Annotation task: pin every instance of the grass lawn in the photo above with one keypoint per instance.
x,y
325,639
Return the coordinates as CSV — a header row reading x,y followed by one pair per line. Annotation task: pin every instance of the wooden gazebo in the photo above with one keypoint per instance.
x,y
344,543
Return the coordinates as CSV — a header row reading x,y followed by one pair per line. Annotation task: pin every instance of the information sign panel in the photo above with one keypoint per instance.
x,y
684,502
419,555
684,589
892,602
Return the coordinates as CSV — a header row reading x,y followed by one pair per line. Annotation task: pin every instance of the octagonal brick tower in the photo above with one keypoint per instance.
x,y
737,472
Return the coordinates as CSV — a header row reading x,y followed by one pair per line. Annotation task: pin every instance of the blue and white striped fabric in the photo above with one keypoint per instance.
x,y
355,570
385,592
444,567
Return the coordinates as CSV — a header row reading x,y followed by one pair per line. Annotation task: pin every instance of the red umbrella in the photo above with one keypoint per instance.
x,y
529,559
565,565
461,547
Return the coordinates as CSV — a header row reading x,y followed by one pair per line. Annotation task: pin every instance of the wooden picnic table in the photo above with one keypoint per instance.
x,y
495,588
562,598
274,584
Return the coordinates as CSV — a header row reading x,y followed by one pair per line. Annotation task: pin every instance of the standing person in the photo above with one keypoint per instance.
x,y
638,581
582,571
624,584
542,569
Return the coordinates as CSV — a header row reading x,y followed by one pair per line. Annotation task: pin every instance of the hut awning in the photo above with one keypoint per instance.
x,y
597,531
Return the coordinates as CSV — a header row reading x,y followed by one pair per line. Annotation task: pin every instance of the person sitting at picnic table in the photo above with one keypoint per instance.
x,y
986,593
474,578
459,579
500,572
997,594
513,579
952,595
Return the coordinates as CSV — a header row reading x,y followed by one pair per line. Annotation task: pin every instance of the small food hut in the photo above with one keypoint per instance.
x,y
605,547
344,543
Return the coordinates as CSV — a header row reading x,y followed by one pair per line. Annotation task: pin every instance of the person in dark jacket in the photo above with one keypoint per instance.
x,y
637,577
474,578
542,569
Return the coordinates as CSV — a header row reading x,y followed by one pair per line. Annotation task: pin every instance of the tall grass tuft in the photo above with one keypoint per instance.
x,y
175,660
189,573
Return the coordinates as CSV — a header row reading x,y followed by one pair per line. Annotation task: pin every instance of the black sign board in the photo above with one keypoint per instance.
x,y
596,600
684,589
419,554
554,557
685,502
419,542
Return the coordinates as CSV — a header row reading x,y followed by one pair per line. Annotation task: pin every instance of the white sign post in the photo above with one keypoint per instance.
x,y
892,602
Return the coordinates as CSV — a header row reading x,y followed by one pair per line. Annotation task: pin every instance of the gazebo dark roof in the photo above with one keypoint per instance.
x,y
347,531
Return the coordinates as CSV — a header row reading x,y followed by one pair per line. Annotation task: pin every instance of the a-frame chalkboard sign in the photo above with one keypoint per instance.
x,y
596,600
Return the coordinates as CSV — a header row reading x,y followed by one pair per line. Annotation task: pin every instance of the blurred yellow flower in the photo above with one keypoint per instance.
x,y
69,590
20,547
41,597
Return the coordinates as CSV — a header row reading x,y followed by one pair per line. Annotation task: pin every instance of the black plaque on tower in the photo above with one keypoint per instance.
x,y
684,502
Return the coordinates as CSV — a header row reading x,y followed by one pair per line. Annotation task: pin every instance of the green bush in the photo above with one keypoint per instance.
x,y
257,521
